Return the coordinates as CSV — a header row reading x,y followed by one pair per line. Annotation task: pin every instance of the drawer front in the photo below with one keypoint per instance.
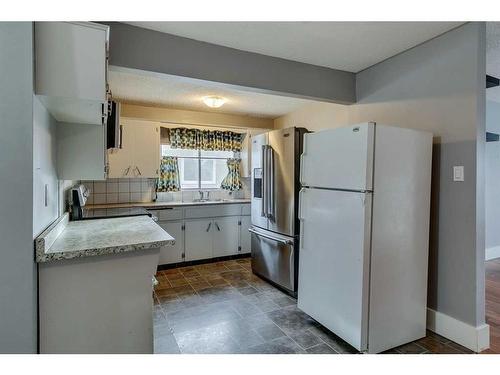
x,y
168,214
213,211
246,209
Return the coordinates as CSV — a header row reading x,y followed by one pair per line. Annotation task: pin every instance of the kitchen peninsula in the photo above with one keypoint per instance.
x,y
95,284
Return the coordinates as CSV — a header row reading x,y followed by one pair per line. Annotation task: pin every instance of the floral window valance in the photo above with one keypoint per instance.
x,y
206,140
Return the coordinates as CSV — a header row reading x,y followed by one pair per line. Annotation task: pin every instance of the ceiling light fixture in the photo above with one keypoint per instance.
x,y
214,101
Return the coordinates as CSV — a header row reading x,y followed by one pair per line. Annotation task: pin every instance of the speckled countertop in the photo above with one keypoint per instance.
x,y
77,239
154,205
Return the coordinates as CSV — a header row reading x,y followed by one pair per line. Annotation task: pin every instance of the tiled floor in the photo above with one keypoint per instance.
x,y
223,308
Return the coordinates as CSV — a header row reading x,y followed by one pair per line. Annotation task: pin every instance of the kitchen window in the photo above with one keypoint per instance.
x,y
200,169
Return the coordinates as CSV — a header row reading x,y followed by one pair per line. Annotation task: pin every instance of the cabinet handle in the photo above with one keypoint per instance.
x,y
217,225
121,137
209,225
138,170
126,171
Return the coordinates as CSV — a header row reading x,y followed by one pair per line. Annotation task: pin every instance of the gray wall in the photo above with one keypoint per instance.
x,y
137,48
493,177
439,86
17,267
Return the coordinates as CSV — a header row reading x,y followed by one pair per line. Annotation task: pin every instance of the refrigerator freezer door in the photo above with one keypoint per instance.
x,y
334,261
339,158
281,162
258,215
273,257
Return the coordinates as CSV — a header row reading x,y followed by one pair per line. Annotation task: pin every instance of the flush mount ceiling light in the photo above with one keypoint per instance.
x,y
214,101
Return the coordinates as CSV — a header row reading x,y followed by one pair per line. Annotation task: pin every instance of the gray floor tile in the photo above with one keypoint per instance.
x,y
194,323
269,331
332,340
206,341
245,308
284,301
305,338
247,290
166,344
321,349
248,315
410,348
170,306
291,320
266,306
256,321
282,345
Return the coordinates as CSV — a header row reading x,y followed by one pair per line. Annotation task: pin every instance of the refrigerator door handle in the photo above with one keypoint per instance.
x,y
279,240
264,183
270,199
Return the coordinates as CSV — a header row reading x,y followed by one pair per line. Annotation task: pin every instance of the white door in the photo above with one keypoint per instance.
x,y
226,236
245,237
172,253
199,239
339,158
334,261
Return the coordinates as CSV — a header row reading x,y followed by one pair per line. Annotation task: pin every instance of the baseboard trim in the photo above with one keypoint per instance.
x,y
476,339
492,252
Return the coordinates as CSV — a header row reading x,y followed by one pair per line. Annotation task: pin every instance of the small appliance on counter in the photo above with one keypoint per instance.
x,y
79,196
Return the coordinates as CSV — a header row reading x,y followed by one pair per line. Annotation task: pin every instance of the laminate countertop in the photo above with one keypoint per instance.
x,y
66,239
158,205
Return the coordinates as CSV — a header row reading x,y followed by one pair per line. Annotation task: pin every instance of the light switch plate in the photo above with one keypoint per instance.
x,y
458,173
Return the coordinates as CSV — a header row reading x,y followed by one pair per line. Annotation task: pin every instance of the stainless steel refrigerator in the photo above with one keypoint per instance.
x,y
275,190
364,211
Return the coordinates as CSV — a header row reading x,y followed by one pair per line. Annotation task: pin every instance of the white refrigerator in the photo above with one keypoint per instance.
x,y
364,233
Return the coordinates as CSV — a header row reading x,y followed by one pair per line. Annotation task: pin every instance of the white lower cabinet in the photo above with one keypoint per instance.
x,y
198,239
245,237
226,236
173,253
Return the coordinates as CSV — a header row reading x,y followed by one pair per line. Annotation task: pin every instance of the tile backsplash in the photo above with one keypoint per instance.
x,y
142,190
121,190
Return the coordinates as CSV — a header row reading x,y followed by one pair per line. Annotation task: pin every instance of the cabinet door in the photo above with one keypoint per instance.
x,y
245,234
245,156
71,60
198,240
173,253
226,236
80,152
120,160
146,158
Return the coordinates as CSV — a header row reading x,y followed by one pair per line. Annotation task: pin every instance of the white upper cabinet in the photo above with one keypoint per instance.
x,y
246,149
71,70
139,155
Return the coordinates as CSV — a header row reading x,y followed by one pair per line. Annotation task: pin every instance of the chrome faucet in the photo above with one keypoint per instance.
x,y
202,197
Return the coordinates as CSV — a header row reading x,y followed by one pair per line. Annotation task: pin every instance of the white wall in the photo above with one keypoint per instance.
x,y
437,86
493,182
18,276
44,168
